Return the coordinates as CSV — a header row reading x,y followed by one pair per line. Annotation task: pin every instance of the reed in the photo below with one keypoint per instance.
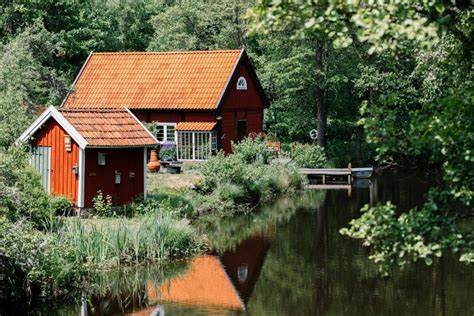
x,y
115,242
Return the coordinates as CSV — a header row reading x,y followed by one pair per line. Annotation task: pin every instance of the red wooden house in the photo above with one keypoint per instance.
x,y
81,151
200,100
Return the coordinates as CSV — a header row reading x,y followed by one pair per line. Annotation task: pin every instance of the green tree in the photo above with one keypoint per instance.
x,y
416,83
26,83
199,26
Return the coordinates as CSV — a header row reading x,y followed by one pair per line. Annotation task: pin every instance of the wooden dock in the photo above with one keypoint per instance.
x,y
328,174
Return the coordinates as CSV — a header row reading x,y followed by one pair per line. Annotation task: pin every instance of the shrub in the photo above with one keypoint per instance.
x,y
232,192
221,168
229,181
40,260
167,152
253,150
309,156
103,207
170,202
21,193
61,205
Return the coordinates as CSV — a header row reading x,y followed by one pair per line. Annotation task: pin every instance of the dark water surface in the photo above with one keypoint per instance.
x,y
289,259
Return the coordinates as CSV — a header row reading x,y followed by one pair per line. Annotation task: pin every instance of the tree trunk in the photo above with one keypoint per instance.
x,y
321,104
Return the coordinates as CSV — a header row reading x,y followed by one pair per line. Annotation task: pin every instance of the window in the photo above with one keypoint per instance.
x,y
196,145
241,83
101,159
166,132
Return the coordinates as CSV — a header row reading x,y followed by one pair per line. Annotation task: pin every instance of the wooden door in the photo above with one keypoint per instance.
x,y
41,161
241,130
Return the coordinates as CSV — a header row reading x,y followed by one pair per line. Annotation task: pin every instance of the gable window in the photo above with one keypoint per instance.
x,y
241,83
166,132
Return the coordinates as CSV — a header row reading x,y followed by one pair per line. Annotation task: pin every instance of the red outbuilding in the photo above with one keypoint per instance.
x,y
201,101
81,151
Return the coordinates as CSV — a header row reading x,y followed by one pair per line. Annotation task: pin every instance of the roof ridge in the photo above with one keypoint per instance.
x,y
94,110
171,52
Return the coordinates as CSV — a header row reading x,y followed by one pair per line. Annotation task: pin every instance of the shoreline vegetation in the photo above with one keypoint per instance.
x,y
46,254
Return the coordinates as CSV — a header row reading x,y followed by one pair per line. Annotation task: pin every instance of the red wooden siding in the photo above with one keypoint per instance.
x,y
236,105
241,105
174,116
242,99
124,160
63,180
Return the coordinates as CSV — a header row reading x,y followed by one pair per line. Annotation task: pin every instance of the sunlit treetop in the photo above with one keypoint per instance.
x,y
381,24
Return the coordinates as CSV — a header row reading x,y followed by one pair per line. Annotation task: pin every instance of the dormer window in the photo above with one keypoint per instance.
x,y
241,83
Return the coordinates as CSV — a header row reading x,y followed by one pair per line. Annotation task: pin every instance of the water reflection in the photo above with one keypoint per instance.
x,y
220,281
289,259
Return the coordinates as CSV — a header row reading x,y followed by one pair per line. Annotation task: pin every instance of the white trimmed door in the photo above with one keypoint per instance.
x,y
41,161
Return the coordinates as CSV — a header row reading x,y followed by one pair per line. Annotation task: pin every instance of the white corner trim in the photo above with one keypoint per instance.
x,y
77,78
230,78
145,186
54,113
143,126
82,175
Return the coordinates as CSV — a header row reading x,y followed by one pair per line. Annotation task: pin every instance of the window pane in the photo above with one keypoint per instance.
x,y
160,133
170,133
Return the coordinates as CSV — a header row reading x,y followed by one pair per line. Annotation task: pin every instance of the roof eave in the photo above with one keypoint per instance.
x,y
243,54
236,65
60,119
119,146
143,126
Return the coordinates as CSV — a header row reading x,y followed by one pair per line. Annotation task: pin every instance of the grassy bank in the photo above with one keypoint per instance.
x,y
49,255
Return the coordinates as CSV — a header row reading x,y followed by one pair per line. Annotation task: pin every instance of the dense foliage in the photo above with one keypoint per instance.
x,y
309,156
48,255
415,82
388,82
242,178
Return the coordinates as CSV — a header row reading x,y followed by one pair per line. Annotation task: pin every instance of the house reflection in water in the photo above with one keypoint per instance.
x,y
220,282
223,281
212,282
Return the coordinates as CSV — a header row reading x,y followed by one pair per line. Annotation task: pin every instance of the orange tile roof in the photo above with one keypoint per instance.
x,y
115,127
154,80
205,284
195,126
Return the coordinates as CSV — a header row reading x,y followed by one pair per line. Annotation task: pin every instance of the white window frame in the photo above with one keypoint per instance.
x,y
165,132
244,85
198,140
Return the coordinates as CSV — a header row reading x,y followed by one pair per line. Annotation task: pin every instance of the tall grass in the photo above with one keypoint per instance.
x,y
115,242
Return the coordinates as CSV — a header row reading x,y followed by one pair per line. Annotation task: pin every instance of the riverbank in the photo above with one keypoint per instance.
x,y
156,230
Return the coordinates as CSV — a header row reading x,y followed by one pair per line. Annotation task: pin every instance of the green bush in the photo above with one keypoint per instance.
x,y
61,205
221,168
253,150
309,156
21,193
40,260
232,182
167,152
176,203
230,191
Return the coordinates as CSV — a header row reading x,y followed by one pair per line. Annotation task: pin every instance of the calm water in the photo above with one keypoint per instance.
x,y
289,259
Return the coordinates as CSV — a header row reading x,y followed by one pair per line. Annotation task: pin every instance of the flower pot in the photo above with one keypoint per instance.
x,y
154,164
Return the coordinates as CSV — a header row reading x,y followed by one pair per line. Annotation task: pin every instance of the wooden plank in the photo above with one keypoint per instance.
x,y
324,172
329,186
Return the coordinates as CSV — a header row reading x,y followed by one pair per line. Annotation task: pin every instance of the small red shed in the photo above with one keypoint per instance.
x,y
79,152
201,101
